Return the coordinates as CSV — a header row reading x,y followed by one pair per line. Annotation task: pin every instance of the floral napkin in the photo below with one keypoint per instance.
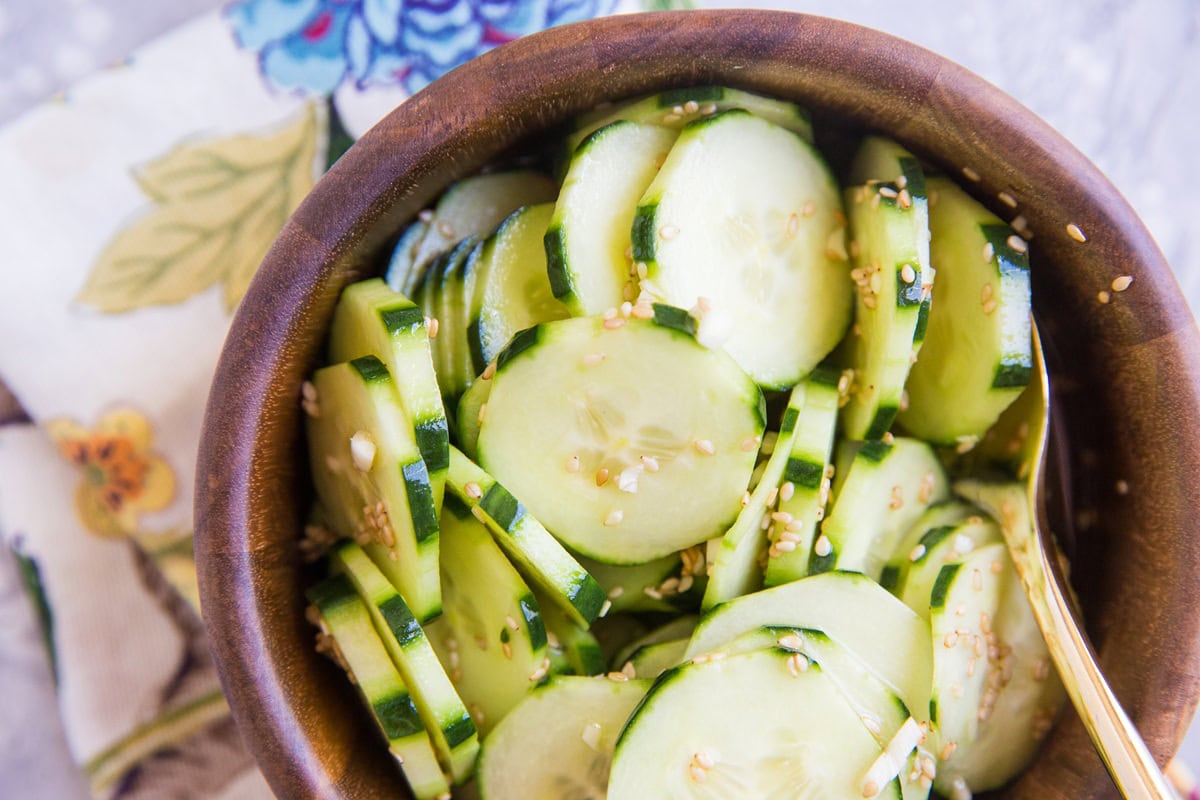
x,y
136,209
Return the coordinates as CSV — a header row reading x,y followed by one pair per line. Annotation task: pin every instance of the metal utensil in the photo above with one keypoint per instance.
x,y
1117,741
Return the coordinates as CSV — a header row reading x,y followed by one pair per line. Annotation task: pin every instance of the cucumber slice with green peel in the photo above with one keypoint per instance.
x,y
627,438
674,630
889,229
580,652
962,607
679,107
851,609
806,480
588,253
977,354
669,584
884,490
513,289
451,339
759,724
371,480
342,616
1026,705
454,736
652,660
746,215
947,544
491,636
475,206
735,566
400,275
470,408
372,320
558,743
538,555
947,512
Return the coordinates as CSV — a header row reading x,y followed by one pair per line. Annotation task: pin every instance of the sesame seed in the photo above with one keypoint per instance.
x,y
908,274
772,497
478,514
677,110
425,215
649,463
823,546
572,464
670,118
870,789
1103,297
977,580
793,226
433,326
482,413
797,663
1017,243
591,736
808,209
786,491
1007,199
593,359
917,553
888,438
989,307
473,490
614,517
613,324
507,648
697,773
685,583
308,391
948,750
986,292
888,191
705,446
1075,232
602,476
445,229
362,451
311,408
785,545
951,641
1121,283
708,108
897,498
904,199
489,371
750,443
668,232
870,723
745,499
765,522
604,609
617,677
989,251
643,310
870,302
970,174
963,544
627,480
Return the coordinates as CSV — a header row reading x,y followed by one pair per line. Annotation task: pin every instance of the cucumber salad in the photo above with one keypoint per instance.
x,y
654,473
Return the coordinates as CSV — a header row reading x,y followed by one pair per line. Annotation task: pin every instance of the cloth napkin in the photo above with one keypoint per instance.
x,y
136,208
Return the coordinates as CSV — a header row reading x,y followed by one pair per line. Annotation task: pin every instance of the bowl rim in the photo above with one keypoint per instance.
x,y
445,130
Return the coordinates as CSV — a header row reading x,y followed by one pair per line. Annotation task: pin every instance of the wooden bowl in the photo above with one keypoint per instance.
x,y
1126,374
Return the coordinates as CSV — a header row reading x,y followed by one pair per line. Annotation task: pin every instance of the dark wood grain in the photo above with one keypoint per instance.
x,y
1126,374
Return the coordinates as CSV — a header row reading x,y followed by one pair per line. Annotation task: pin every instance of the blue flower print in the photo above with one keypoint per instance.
x,y
313,46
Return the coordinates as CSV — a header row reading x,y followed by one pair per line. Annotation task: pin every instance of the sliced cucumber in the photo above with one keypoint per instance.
x,y
884,490
542,560
579,651
759,724
471,407
962,606
371,479
588,243
558,743
805,488
742,214
1029,694
977,354
341,615
372,320
490,636
451,341
947,544
400,275
889,226
852,610
679,107
735,568
475,206
946,512
513,289
627,438
455,738
672,631
669,584
652,660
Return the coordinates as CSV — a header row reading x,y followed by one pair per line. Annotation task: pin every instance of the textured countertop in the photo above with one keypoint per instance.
x,y
1121,80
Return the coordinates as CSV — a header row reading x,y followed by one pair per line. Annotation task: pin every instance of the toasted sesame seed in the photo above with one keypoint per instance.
x,y
908,274
685,583
708,108
362,451
614,517
507,648
888,191
904,199
823,546
989,307
1121,283
602,476
951,641
432,325
948,750
989,251
970,174
1103,297
1017,243
1007,199
705,446
870,302
643,310
473,490
618,677
786,492
668,232
613,324
797,663
870,789
897,498
489,371
1075,232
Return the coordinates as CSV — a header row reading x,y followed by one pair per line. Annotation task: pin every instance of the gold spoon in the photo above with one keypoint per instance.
x,y
1117,741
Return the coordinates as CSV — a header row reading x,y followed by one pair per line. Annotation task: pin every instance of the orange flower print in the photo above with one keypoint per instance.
x,y
122,476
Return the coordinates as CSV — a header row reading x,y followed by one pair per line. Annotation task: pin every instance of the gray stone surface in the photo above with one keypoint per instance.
x,y
1119,79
